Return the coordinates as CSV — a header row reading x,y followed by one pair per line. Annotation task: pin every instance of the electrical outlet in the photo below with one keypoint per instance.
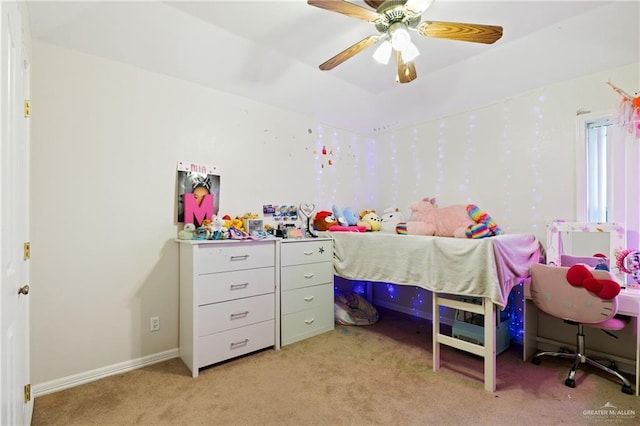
x,y
154,323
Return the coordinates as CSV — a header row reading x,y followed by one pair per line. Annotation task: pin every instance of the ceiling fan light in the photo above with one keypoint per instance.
x,y
409,53
417,6
400,38
383,53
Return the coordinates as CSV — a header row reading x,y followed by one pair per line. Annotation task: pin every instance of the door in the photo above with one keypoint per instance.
x,y
17,404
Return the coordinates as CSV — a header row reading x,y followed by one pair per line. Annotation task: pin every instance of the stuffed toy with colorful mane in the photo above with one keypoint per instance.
x,y
459,221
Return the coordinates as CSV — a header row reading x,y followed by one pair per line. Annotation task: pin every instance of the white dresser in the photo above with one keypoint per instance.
x,y
306,285
228,300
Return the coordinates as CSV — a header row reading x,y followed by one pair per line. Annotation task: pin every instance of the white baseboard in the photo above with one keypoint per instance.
x,y
52,386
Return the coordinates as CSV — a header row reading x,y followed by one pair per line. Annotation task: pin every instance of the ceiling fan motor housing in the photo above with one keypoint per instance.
x,y
392,12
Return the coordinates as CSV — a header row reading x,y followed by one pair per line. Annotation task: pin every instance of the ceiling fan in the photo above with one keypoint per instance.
x,y
394,19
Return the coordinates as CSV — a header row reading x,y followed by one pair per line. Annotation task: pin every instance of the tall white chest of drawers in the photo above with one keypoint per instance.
x,y
306,285
229,297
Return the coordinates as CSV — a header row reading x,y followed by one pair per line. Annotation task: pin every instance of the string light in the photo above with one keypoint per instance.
x,y
440,158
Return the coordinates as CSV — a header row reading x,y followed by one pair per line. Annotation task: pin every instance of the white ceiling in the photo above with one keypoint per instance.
x,y
269,51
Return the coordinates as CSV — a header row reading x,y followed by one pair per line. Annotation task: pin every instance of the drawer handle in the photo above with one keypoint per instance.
x,y
240,343
239,315
308,298
243,257
308,253
309,321
238,286
309,275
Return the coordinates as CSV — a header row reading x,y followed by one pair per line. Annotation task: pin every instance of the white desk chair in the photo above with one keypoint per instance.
x,y
554,295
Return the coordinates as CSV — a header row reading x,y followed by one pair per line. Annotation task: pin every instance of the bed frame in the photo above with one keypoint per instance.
x,y
484,268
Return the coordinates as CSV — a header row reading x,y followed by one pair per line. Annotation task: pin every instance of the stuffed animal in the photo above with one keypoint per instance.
x,y
188,233
201,233
457,221
350,216
347,221
371,220
237,223
345,217
390,219
217,228
323,220
207,226
337,213
227,223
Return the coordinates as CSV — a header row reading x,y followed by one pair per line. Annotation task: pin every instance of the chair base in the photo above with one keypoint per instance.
x,y
581,358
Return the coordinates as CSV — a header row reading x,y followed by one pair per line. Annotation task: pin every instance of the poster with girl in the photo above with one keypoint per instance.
x,y
198,192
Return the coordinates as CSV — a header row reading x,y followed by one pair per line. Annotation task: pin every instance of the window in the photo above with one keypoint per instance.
x,y
597,170
607,173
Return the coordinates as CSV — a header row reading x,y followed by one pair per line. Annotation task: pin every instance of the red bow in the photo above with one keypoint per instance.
x,y
581,276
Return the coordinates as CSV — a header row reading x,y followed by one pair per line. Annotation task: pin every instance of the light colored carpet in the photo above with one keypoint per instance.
x,y
375,375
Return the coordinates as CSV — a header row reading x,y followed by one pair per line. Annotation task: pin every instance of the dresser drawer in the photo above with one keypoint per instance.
x,y
223,286
232,343
236,313
307,298
299,276
300,252
233,257
304,324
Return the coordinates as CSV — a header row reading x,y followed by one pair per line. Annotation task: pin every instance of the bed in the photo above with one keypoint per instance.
x,y
485,268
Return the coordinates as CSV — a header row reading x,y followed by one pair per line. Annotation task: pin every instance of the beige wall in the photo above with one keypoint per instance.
x,y
105,141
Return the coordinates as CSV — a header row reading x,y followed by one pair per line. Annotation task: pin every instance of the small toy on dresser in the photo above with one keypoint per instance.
x,y
188,233
459,221
222,228
217,228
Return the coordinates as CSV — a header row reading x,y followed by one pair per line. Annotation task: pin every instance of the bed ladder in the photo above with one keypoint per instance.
x,y
488,351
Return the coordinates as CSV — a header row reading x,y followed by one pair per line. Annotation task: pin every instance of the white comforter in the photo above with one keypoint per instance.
x,y
487,267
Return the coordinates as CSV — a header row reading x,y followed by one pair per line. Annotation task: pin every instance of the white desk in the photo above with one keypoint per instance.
x,y
628,304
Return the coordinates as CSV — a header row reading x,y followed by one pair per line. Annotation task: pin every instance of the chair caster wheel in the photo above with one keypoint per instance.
x,y
627,389
570,383
535,360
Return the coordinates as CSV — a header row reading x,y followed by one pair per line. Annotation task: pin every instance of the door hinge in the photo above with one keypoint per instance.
x,y
27,393
27,250
27,108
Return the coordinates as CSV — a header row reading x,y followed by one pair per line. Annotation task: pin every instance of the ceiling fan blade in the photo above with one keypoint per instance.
x,y
476,33
417,7
349,52
374,3
406,71
346,8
